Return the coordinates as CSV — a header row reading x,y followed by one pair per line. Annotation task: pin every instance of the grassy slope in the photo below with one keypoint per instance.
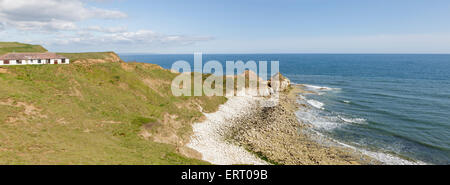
x,y
91,114
7,47
86,56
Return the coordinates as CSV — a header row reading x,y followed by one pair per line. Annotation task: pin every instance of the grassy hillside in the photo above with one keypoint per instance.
x,y
96,113
92,57
7,47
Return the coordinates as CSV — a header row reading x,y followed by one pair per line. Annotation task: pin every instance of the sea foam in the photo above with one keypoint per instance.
x,y
319,88
316,104
320,120
352,120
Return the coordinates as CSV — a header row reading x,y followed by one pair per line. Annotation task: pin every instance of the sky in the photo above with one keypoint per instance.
x,y
229,26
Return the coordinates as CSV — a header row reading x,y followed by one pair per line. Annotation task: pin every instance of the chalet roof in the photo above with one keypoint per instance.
x,y
30,56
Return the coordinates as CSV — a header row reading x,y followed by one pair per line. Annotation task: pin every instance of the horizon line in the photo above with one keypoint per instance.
x,y
257,53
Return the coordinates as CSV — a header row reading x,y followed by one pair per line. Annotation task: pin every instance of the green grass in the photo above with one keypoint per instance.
x,y
8,47
86,56
92,114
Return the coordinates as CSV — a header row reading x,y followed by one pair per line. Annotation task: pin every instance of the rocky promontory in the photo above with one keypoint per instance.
x,y
275,135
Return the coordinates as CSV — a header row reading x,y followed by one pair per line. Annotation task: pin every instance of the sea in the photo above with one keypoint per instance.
x,y
393,107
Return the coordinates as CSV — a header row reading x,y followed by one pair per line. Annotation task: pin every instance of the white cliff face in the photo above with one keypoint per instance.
x,y
279,83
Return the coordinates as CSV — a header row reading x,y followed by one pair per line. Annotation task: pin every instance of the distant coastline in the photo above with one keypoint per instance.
x,y
374,103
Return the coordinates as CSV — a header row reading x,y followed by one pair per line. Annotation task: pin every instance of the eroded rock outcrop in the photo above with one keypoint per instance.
x,y
275,134
279,83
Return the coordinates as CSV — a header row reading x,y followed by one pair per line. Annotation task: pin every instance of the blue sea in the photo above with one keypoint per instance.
x,y
392,106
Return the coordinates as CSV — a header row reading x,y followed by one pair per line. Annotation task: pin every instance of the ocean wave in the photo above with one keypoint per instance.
x,y
313,118
385,158
328,123
352,120
322,122
319,88
316,104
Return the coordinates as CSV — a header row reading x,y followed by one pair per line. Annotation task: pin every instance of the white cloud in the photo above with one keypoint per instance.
x,y
61,25
52,25
50,15
148,36
127,38
106,30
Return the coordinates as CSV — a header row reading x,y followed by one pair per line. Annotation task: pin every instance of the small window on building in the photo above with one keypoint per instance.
x,y
19,62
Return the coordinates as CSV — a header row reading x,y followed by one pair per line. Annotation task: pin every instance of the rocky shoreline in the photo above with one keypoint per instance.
x,y
209,136
275,135
245,130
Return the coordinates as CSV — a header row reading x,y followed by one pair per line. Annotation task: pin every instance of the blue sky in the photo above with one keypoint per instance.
x,y
230,26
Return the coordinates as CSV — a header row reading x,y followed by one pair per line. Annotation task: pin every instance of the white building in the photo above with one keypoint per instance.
x,y
32,58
